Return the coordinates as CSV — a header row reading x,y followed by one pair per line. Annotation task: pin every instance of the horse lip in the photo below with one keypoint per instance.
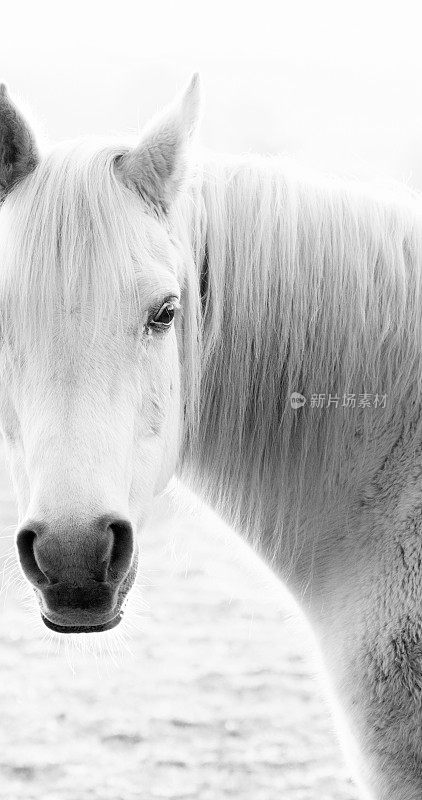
x,y
101,626
105,626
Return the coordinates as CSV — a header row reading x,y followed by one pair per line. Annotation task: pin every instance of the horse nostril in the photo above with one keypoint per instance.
x,y
101,550
25,544
122,549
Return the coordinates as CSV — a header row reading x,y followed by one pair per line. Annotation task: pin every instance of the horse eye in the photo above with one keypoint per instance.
x,y
164,318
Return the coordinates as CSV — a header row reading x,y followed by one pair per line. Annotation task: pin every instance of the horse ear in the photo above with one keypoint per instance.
x,y
157,166
18,151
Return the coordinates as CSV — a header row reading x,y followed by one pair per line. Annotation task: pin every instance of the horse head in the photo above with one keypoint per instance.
x,y
91,283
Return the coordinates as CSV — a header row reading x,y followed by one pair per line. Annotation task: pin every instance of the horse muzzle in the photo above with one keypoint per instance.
x,y
81,574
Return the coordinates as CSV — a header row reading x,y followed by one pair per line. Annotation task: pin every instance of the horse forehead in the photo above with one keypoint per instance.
x,y
66,382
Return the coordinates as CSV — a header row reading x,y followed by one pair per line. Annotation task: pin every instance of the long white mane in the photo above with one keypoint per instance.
x,y
313,286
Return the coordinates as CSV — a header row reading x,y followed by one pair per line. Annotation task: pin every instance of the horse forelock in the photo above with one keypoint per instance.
x,y
74,240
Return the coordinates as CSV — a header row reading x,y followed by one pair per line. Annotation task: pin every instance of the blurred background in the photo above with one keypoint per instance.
x,y
213,689
336,83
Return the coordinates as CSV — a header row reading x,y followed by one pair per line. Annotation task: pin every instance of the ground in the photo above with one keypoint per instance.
x,y
218,698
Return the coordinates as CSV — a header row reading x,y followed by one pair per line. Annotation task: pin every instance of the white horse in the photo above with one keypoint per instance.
x,y
158,313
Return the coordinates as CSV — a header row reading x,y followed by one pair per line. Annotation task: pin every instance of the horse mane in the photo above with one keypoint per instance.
x,y
313,286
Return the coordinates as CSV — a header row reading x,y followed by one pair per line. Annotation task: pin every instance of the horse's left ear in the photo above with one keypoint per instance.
x,y
157,166
18,151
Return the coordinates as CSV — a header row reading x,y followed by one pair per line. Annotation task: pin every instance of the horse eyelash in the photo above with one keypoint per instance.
x,y
147,328
158,306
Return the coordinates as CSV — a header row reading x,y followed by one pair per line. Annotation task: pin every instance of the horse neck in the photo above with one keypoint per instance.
x,y
277,318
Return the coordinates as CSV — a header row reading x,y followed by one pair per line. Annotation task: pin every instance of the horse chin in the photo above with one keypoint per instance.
x,y
105,626
102,626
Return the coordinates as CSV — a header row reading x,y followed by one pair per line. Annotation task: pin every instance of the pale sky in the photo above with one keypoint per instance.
x,y
337,83
361,32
